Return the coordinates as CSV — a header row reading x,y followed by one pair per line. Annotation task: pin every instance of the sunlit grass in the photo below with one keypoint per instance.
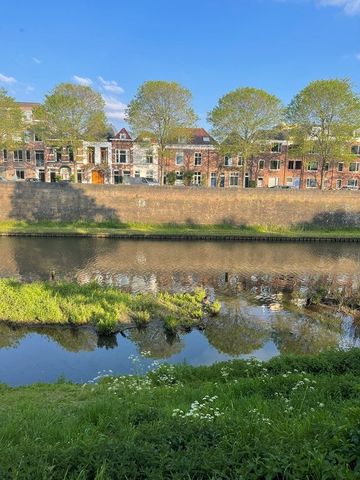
x,y
291,418
106,308
123,229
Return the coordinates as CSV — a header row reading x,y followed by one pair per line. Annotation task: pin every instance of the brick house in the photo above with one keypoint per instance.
x,y
194,159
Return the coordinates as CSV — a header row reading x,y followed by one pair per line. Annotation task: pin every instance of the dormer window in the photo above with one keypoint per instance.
x,y
181,140
206,139
122,136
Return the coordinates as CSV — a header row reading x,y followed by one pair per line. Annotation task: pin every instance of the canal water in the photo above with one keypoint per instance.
x,y
260,286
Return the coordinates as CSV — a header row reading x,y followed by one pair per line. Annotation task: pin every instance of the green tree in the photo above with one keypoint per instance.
x,y
12,126
70,115
324,116
163,110
242,120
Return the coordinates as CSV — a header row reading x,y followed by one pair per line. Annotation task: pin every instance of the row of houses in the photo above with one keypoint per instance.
x,y
191,160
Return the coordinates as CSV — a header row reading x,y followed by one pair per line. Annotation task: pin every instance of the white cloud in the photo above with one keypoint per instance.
x,y
36,60
5,79
82,80
30,88
114,108
351,7
110,85
357,56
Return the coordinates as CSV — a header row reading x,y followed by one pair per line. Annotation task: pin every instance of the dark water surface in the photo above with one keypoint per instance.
x,y
255,281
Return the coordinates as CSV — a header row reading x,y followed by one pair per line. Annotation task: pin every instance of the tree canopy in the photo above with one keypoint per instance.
x,y
324,116
242,120
11,122
163,110
71,114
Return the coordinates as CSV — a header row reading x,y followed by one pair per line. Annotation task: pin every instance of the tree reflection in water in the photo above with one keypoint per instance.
x,y
156,342
244,328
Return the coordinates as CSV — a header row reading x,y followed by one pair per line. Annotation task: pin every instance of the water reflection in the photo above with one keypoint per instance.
x,y
260,285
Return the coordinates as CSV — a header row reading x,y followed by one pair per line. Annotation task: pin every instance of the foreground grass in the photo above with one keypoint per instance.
x,y
128,229
292,418
106,308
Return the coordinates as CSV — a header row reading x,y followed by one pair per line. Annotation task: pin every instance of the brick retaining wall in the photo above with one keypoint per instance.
x,y
68,202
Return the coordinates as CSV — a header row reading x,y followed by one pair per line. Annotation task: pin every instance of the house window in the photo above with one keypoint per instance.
x,y
91,154
352,183
340,167
137,173
326,167
117,177
355,149
28,155
338,183
79,176
354,167
57,154
240,161
312,166
276,148
39,158
18,155
197,178
104,154
234,179
198,159
37,137
222,180
179,176
311,183
179,159
290,181
122,136
261,164
206,139
70,154
274,164
121,156
149,159
20,174
294,165
5,155
150,175
227,161
213,179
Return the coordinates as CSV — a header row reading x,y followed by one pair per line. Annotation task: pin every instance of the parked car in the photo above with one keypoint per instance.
x,y
3,179
33,179
142,181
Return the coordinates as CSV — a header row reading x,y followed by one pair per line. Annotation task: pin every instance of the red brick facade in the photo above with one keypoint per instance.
x,y
195,160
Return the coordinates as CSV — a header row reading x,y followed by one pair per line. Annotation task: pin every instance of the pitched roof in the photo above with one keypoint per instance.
x,y
123,132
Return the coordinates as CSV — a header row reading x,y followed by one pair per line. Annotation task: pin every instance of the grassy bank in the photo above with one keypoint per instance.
x,y
105,308
291,418
128,229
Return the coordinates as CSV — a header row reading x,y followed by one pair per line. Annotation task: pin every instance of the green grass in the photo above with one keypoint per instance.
x,y
106,308
124,229
292,418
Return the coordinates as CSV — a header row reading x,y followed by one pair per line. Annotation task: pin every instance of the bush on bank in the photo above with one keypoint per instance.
x,y
291,418
106,308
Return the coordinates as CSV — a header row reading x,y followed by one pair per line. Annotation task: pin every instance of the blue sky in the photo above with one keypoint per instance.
x,y
210,46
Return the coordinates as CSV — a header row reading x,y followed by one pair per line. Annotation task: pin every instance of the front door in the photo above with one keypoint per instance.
x,y
97,177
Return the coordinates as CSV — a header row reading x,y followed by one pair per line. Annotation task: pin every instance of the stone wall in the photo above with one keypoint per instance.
x,y
68,202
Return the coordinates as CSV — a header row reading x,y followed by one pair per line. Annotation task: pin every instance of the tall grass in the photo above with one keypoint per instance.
x,y
106,308
292,418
